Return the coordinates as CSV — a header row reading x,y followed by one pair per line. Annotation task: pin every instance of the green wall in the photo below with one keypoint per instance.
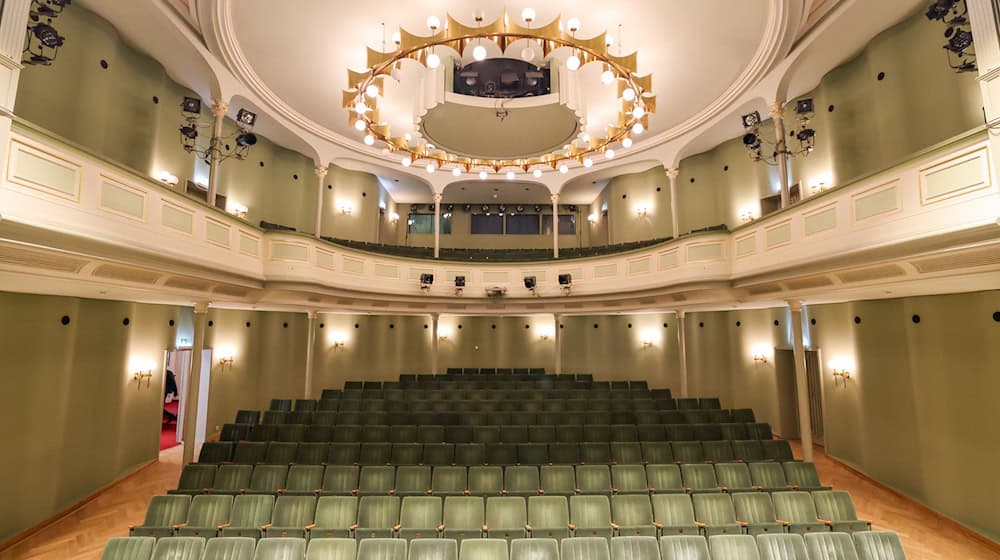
x,y
461,230
625,193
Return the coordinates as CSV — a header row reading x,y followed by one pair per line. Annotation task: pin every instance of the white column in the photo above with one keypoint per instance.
x,y
983,17
320,176
777,113
434,342
801,382
682,353
219,109
310,354
13,24
555,226
437,229
674,221
193,382
558,337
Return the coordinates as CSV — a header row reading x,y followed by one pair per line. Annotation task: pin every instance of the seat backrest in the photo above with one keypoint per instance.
x,y
382,549
521,479
486,480
293,511
593,478
449,479
733,547
560,479
209,511
590,511
796,507
378,512
585,548
776,546
534,549
835,505
129,548
830,546
179,548
412,479
548,511
733,475
683,547
768,475
506,513
800,473
336,512
629,478
230,548
634,548
631,510
464,512
378,479
699,476
657,452
754,507
664,477
251,510
165,511
340,479
197,477
304,478
280,549
714,509
432,549
483,549
268,478
332,549
672,509
420,512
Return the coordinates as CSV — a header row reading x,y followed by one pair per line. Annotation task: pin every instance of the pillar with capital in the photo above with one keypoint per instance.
x,y
555,225
672,174
437,224
778,115
435,318
682,353
193,382
801,381
320,176
310,354
219,110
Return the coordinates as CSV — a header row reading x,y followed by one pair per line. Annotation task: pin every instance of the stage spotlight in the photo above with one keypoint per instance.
x,y
191,105
530,282
189,132
246,118
246,140
751,120
459,285
565,283
804,106
426,280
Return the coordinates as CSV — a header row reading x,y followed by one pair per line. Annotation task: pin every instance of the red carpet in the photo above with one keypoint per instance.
x,y
168,434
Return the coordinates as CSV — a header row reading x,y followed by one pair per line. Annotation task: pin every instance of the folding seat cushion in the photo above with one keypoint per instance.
x,y
748,451
403,434
797,512
830,546
377,517
664,479
420,517
234,432
681,432
250,512
755,511
413,480
439,454
340,480
732,431
195,479
464,517
375,434
332,549
565,453
346,433
709,403
292,516
715,514
229,548
268,479
837,507
769,477
664,404
548,516
131,548
231,479
734,477
626,453
296,418
657,452
486,481
280,548
249,452
311,453
782,547
590,516
671,417
430,434
593,479
595,453
215,452
532,453
449,481
634,548
378,454
469,454
406,454
557,480
432,549
501,454
624,432
652,431
585,548
205,515
733,547
570,430
162,514
483,549
803,477
328,405
280,453
629,479
708,432
179,548
632,515
534,549
251,417
684,547
700,478
688,451
521,480
335,516
674,514
274,417
743,415
759,430
351,405
695,416
506,517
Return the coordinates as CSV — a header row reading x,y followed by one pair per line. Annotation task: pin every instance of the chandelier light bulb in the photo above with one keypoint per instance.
x,y
527,54
482,175
609,153
627,143
456,172
585,137
431,168
433,61
609,41
433,23
638,112
396,37
369,139
628,94
573,25
510,175
573,63
479,53
528,15
371,91
607,77
407,137
360,108
407,161
537,173
564,169
638,128
587,162
359,125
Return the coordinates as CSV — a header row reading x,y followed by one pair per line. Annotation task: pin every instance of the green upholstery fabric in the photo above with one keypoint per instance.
x,y
777,450
591,516
769,476
534,549
432,549
215,452
469,454
230,548
485,481
501,454
449,481
756,510
268,479
700,478
803,476
749,451
717,451
633,515
129,548
506,517
291,515
340,479
716,512
179,548
626,453
376,480
782,547
734,477
377,516
439,454
205,515
733,547
419,517
593,479
403,433
304,480
558,480
413,480
380,454
343,453
406,453
657,452
249,512
674,513
287,548
464,517
684,547
548,516
564,453
838,507
312,453
629,479
332,549
593,452
382,549
162,514
195,479
521,480
798,510
664,479
585,548
483,549
335,515
688,451
635,548
532,453
830,546
250,452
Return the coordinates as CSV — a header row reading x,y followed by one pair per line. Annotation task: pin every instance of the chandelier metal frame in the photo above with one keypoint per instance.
x,y
458,36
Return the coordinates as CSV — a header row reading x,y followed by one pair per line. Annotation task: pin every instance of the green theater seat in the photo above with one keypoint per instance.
x,y
249,514
420,517
664,479
674,514
376,480
129,548
292,517
782,547
734,477
684,547
733,547
179,548
195,479
162,514
336,517
548,517
593,479
715,514
837,507
230,548
286,548
464,517
769,476
632,515
557,480
797,512
634,548
340,480
830,546
268,479
657,452
449,481
590,516
803,476
432,549
334,549
486,481
700,478
378,517
205,515
303,480
413,480
585,548
755,511
521,481
506,517
483,549
534,549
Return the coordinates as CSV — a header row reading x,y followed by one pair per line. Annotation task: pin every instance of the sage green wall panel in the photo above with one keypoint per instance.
x,y
510,344
615,351
626,193
362,192
708,356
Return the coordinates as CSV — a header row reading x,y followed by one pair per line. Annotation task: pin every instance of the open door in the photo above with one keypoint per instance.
x,y
178,370
179,361
788,408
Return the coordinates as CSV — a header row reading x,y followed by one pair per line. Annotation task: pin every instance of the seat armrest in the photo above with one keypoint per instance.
x,y
783,522
824,521
527,527
658,525
700,524
571,527
392,492
742,523
178,526
485,528
223,526
541,491
429,491
614,490
266,526
353,527
354,491
440,528
396,527
503,492
578,491
467,492
310,527
651,490
615,526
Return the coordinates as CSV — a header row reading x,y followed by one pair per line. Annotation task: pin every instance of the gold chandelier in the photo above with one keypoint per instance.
x,y
635,97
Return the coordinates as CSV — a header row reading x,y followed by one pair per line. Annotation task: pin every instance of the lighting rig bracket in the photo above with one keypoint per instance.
x,y
960,47
43,40
222,147
805,136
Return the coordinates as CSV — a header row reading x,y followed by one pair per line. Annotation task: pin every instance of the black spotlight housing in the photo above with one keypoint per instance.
x,y
751,140
565,279
751,120
467,208
939,9
191,105
460,281
426,279
246,118
189,132
530,282
537,208
806,135
804,106
246,140
520,208
485,207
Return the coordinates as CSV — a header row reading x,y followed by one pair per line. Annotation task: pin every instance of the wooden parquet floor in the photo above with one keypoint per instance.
x,y
82,534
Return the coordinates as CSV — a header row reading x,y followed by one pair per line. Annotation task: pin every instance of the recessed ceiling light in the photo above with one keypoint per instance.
x,y
482,175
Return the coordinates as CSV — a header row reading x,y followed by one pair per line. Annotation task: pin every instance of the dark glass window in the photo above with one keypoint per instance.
x,y
567,224
523,224
489,224
424,223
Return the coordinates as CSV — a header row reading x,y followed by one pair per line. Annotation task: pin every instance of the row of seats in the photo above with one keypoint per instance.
x,y
484,394
464,404
509,433
505,376
865,545
548,480
479,413
469,454
505,517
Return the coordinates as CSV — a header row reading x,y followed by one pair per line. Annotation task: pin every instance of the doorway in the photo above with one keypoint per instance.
x,y
788,409
175,382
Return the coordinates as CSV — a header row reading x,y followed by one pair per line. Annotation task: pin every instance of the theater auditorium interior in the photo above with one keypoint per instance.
x,y
499,280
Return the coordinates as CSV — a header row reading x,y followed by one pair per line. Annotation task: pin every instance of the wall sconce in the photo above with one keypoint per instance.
x,y
648,336
142,368
592,218
339,340
761,354
641,211
747,214
394,218
444,332
236,209
226,355
346,208
842,368
546,332
820,184
167,177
